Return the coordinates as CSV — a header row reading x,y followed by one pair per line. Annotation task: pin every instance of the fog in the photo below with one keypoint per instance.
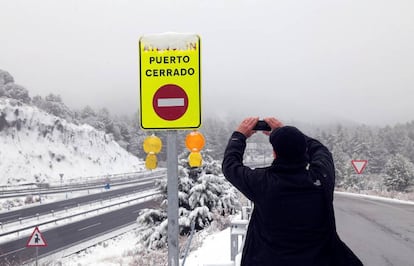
x,y
296,60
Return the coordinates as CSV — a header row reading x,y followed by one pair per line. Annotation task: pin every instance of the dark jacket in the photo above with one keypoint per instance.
x,y
293,220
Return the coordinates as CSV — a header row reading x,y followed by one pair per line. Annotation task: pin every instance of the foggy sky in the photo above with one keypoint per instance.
x,y
297,60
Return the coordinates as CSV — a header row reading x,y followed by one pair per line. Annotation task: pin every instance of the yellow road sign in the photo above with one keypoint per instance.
x,y
170,81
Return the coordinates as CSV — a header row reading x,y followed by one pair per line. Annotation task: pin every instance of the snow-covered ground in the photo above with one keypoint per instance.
x,y
214,249
37,146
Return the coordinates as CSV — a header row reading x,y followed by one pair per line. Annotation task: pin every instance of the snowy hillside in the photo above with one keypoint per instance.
x,y
37,147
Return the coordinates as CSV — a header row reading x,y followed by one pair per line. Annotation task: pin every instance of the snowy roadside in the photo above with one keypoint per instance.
x,y
215,249
210,246
375,197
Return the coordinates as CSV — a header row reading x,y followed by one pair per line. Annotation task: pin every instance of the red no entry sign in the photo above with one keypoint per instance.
x,y
170,102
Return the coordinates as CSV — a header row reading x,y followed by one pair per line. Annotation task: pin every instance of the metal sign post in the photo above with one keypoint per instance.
x,y
172,190
37,256
170,98
36,240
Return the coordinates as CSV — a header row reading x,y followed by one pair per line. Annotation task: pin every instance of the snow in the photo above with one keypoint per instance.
x,y
169,40
111,252
215,249
37,146
374,197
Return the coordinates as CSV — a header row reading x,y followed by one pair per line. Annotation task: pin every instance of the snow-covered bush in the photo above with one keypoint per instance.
x,y
54,105
203,196
18,92
400,171
5,78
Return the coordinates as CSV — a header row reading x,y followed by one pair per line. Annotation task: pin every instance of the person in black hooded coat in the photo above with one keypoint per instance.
x,y
293,221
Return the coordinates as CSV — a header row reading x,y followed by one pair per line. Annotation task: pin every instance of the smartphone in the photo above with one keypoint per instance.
x,y
262,125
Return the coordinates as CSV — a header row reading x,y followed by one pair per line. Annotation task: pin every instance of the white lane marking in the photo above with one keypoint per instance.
x,y
89,226
11,252
66,204
170,102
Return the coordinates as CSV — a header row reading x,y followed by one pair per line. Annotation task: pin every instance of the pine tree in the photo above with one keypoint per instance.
x,y
203,194
399,172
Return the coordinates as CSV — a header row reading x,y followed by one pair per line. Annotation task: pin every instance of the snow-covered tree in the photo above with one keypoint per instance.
x,y
343,167
217,132
54,105
88,116
5,78
203,194
17,92
400,171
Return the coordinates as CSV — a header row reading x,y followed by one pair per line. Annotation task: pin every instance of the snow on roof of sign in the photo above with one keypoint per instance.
x,y
169,40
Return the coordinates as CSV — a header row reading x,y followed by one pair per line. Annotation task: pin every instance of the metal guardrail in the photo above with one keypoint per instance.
x,y
79,186
78,214
20,219
239,229
84,180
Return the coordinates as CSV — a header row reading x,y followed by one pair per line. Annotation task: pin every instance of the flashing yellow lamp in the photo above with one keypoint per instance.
x,y
151,161
152,146
195,159
195,142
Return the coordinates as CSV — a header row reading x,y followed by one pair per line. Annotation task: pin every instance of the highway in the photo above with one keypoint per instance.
x,y
381,233
79,184
16,253
61,205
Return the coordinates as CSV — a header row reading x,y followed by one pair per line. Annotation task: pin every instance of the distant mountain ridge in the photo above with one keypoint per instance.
x,y
36,146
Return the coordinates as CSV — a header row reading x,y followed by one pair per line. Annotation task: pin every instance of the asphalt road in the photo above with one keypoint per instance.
x,y
61,205
381,233
16,252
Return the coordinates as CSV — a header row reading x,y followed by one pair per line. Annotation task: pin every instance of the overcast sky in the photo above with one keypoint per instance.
x,y
298,60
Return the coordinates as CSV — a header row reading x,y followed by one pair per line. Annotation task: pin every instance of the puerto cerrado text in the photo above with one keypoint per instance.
x,y
169,72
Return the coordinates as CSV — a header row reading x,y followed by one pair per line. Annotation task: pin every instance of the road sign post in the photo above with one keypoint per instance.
x,y
36,240
170,98
172,196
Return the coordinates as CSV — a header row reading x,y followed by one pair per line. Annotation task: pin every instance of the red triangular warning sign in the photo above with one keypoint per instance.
x,y
36,239
359,165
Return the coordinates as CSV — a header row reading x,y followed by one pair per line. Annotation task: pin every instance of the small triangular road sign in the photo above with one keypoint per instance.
x,y
36,239
359,165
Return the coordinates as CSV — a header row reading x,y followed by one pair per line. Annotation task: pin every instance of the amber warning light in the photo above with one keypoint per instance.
x,y
195,142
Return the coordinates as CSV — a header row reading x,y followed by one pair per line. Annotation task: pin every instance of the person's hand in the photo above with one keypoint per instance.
x,y
247,125
273,123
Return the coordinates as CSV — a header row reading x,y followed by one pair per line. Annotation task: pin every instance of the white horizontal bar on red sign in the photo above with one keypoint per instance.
x,y
170,102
